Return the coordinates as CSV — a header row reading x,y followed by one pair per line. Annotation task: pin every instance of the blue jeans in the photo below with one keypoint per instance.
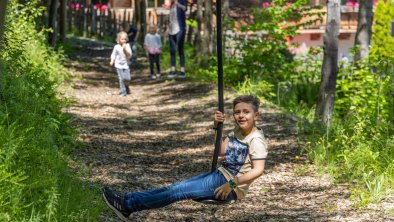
x,y
124,75
177,40
198,187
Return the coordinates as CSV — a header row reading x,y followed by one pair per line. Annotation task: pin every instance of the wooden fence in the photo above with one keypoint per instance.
x,y
90,20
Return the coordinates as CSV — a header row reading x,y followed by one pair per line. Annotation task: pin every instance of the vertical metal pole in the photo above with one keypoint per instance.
x,y
220,81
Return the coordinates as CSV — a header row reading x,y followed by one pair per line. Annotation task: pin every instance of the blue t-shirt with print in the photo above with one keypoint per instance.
x,y
236,154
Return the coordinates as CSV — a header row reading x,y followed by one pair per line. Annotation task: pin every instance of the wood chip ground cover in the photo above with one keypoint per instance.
x,y
161,133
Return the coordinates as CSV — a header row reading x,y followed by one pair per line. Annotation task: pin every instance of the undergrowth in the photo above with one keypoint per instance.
x,y
35,136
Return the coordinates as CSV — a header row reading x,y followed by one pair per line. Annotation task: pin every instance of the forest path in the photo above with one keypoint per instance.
x,y
161,133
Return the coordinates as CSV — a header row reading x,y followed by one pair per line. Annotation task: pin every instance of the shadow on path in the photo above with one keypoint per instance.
x,y
161,133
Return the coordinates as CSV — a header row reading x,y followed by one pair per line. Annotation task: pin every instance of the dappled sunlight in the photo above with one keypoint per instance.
x,y
162,133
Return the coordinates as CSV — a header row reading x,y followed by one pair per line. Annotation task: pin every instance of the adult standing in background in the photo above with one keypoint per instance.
x,y
177,32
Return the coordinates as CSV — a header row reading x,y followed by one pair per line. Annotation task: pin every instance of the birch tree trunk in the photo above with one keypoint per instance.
x,y
326,98
3,8
364,29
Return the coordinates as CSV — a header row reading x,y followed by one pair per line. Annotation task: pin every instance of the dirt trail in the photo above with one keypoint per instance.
x,y
161,134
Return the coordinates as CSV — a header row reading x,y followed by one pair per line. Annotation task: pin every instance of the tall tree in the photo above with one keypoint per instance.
x,y
326,98
225,16
3,7
52,21
364,29
204,34
140,19
191,28
63,20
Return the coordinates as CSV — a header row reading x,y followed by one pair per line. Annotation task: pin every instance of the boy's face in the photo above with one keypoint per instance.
x,y
245,116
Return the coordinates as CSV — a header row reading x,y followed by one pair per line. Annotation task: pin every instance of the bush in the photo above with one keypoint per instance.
x,y
34,133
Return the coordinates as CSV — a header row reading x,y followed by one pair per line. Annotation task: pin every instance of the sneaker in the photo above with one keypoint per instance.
x,y
116,202
171,75
182,75
153,76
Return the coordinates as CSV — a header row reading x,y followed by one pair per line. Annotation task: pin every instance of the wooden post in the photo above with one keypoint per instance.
x,y
85,22
79,20
94,20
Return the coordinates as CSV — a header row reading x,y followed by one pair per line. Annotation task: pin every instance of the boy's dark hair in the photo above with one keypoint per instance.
x,y
254,100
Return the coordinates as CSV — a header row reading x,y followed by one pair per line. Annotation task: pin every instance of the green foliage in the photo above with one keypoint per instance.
x,y
34,133
261,88
262,64
265,55
364,90
301,84
382,41
191,22
359,146
355,152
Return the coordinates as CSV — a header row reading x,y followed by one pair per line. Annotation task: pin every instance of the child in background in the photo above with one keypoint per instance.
x,y
244,151
153,47
120,57
177,33
132,34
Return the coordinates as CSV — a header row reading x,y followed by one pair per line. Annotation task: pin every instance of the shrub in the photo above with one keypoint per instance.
x,y
34,133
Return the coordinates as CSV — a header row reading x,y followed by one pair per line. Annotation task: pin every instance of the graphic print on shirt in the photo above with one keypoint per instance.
x,y
235,156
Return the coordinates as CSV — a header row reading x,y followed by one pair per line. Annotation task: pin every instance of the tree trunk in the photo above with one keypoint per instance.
x,y
364,29
326,98
204,34
191,29
3,5
208,25
140,20
63,20
225,13
52,22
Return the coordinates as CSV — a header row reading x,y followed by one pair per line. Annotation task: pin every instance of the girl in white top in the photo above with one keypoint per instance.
x,y
120,57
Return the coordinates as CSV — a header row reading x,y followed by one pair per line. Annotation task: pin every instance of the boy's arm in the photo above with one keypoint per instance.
x,y
223,147
256,171
219,118
258,152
